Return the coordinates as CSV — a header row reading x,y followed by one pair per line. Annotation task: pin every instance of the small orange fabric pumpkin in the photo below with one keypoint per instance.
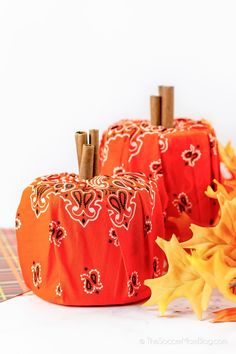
x,y
184,160
90,242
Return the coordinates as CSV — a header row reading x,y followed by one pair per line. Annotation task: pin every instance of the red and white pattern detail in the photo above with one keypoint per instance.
x,y
191,155
83,206
122,208
130,181
213,143
147,226
114,237
83,199
163,143
45,186
59,290
119,169
92,281
182,203
17,223
134,132
156,169
56,233
156,267
40,198
136,181
36,271
133,284
99,182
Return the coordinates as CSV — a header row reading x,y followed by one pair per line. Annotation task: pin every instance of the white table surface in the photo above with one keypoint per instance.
x,y
30,325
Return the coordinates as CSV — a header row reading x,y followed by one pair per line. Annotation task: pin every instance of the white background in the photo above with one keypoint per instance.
x,y
70,65
30,325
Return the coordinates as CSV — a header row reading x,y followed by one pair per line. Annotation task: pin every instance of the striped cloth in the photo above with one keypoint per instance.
x,y
11,281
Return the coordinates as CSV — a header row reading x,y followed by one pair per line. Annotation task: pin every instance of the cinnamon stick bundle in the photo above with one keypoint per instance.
x,y
87,153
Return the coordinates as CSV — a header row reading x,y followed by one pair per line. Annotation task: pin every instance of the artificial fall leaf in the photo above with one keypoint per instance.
x,y
181,280
226,315
227,190
208,240
179,226
231,184
191,277
216,273
228,157
224,277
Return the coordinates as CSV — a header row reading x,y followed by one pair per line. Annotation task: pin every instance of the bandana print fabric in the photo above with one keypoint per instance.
x,y
184,160
90,242
134,145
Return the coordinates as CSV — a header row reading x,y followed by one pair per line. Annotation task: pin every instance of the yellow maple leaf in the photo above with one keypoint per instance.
x,y
181,280
216,273
191,277
228,157
224,277
208,240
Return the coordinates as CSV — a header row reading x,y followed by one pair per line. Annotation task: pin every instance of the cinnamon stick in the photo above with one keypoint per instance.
x,y
167,106
94,140
155,107
80,140
87,161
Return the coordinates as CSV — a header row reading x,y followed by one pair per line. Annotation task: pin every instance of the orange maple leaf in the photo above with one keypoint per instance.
x,y
226,315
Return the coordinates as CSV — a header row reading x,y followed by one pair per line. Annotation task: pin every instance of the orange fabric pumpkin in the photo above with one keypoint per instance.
x,y
90,242
184,160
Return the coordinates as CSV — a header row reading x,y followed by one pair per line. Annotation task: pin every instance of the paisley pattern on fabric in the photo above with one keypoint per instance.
x,y
134,132
93,222
17,223
59,290
133,284
83,206
40,198
163,143
182,159
92,281
36,272
182,203
46,186
56,233
191,155
147,226
118,170
122,208
213,143
156,169
114,237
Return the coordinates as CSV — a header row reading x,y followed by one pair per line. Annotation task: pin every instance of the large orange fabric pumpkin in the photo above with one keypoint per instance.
x,y
90,242
184,160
